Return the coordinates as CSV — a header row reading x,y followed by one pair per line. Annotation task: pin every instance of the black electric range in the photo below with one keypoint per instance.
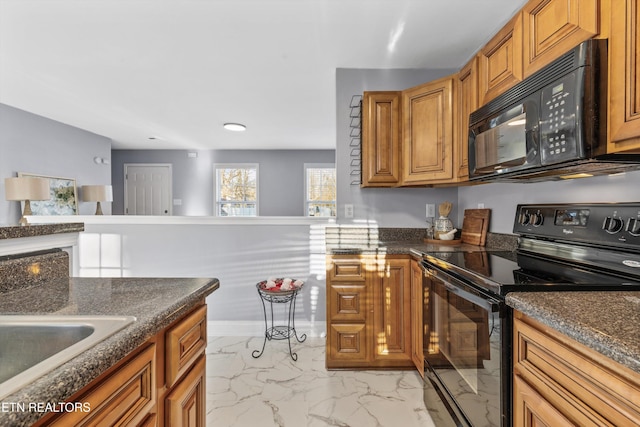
x,y
467,325
561,247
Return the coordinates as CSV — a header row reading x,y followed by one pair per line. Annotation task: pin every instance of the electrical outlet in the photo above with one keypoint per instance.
x,y
480,205
348,211
431,210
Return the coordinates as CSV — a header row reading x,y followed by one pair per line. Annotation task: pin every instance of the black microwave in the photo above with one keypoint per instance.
x,y
551,123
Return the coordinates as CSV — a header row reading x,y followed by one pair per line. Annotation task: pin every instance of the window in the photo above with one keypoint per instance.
x,y
320,189
236,187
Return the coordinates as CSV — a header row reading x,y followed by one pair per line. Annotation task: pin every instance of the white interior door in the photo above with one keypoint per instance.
x,y
147,189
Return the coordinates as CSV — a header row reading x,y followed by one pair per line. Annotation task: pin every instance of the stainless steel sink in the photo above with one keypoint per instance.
x,y
31,346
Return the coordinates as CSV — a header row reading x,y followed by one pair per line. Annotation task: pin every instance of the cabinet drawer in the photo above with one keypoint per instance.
x,y
124,398
347,302
576,380
347,343
345,269
184,343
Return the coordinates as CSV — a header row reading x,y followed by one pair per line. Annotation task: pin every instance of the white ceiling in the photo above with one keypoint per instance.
x,y
179,69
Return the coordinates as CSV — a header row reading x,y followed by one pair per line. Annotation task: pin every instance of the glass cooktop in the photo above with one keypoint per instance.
x,y
503,272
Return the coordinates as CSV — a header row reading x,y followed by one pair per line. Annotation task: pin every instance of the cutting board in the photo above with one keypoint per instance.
x,y
475,226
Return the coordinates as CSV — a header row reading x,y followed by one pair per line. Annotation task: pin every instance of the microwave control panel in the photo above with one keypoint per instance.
x,y
558,121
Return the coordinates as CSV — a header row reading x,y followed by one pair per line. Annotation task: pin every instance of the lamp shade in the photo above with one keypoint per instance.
x,y
26,188
97,193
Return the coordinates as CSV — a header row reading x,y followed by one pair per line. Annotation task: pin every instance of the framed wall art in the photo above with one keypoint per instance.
x,y
63,196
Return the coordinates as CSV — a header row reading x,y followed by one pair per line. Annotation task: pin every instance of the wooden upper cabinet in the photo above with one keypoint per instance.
x,y
381,139
467,103
553,27
500,60
624,78
427,149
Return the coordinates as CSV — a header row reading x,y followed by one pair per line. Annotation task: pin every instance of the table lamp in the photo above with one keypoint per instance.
x,y
97,193
26,189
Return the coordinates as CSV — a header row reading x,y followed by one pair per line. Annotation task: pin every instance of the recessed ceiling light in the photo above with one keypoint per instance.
x,y
235,127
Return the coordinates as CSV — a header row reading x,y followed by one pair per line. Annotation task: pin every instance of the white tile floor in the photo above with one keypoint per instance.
x,y
273,390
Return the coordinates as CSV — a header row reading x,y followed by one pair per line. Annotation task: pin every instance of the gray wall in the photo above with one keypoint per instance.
x,y
503,198
35,144
280,180
386,207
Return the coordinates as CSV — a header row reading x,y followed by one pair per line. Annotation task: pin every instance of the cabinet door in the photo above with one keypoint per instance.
x,y
381,139
124,398
530,409
391,311
500,60
417,323
185,405
427,150
553,27
467,103
624,91
583,385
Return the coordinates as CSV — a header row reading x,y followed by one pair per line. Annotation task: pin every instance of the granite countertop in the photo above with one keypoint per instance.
x,y
608,322
17,231
155,303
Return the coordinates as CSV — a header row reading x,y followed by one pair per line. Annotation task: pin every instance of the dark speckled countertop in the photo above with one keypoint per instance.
x,y
32,230
608,322
156,303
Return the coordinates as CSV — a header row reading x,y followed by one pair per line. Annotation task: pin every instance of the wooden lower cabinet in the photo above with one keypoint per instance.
x,y
126,397
368,314
391,286
162,383
185,405
417,320
558,381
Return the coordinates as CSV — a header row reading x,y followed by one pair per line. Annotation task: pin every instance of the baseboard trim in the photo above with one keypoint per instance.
x,y
219,328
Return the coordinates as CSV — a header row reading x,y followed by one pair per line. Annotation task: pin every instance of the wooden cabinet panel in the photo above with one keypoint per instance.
x,y
553,27
348,302
500,61
184,343
624,90
530,409
391,311
467,103
345,268
583,385
368,322
417,322
347,343
185,405
381,123
124,398
427,150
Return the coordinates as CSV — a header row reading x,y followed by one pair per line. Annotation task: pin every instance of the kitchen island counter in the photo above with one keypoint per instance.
x,y
607,322
155,302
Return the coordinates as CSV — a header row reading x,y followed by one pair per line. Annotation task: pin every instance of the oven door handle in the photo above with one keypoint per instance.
x,y
486,303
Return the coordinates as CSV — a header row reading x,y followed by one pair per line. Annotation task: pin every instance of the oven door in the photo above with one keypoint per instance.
x,y
466,357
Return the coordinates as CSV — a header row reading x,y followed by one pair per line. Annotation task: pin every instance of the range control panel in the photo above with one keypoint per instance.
x,y
611,224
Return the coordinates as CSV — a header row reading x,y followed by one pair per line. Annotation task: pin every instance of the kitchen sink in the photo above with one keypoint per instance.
x,y
31,346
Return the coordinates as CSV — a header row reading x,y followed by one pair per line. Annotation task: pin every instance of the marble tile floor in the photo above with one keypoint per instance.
x,y
273,390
